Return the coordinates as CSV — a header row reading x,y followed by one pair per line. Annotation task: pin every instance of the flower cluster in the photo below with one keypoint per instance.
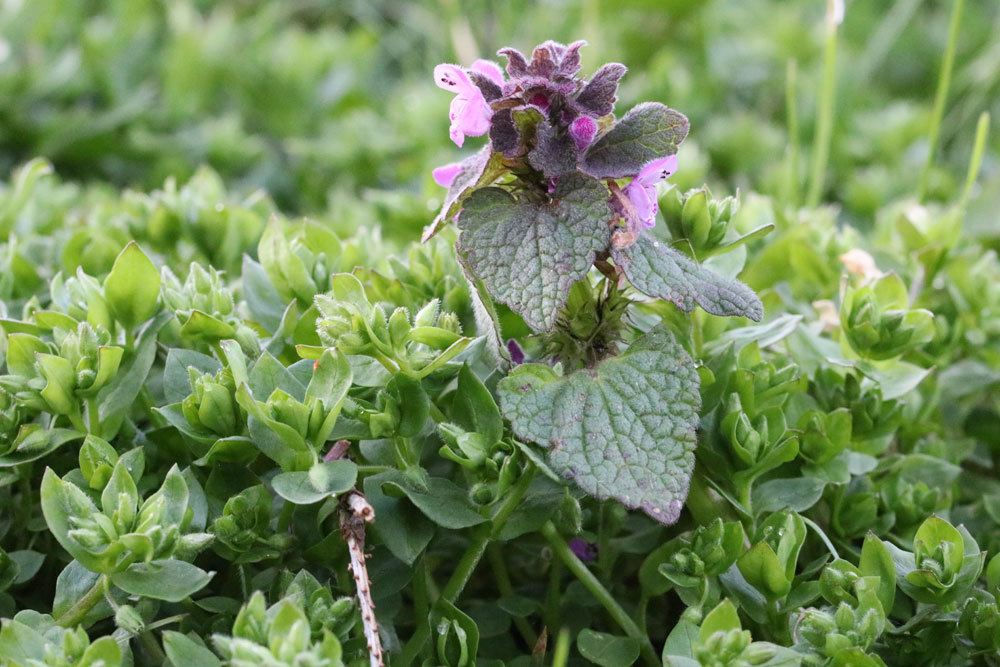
x,y
542,117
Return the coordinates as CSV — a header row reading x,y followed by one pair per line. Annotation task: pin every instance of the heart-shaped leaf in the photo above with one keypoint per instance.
x,y
623,429
529,254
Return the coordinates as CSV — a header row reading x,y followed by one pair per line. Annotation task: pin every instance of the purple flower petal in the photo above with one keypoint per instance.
x,y
642,190
445,174
658,170
469,112
515,351
583,549
490,70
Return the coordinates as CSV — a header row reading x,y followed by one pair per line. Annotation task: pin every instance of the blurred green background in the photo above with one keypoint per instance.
x,y
331,108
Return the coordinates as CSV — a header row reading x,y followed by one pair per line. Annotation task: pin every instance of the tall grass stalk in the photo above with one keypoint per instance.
x,y
941,97
976,161
792,114
827,94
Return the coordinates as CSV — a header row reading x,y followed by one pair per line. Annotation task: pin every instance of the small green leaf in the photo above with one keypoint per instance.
x,y
170,580
441,500
132,289
474,408
185,652
624,429
721,619
323,480
657,270
607,650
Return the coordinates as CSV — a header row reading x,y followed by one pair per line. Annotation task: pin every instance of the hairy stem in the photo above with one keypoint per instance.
x,y
600,593
75,614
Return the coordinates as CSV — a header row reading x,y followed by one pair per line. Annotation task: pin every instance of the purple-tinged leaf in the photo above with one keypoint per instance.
x,y
599,95
649,131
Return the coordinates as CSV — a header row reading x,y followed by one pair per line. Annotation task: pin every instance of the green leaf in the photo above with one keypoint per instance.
x,y
323,480
762,569
37,444
876,561
721,619
624,429
528,254
797,494
62,501
457,635
657,270
170,580
414,404
441,500
648,131
132,289
268,374
20,643
607,650
118,396
680,642
186,652
474,408
403,529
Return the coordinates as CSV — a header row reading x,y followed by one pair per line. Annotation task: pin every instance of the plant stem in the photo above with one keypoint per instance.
x,y
495,555
285,518
600,593
941,97
467,564
824,120
976,161
792,114
94,416
560,656
75,614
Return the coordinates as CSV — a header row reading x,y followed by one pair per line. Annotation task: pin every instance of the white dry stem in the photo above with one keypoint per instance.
x,y
354,514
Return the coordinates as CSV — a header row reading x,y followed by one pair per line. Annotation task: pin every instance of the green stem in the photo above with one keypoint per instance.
x,y
553,596
502,576
94,416
421,599
285,518
978,148
792,113
824,120
467,564
75,614
560,656
941,97
600,593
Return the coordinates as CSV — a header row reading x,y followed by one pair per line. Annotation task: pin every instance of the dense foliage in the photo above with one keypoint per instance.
x,y
588,418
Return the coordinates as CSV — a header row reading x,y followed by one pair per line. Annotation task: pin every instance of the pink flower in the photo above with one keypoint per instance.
x,y
642,190
583,130
445,174
469,112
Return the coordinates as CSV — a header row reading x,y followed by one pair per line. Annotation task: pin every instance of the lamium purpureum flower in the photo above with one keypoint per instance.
x,y
469,113
445,175
641,192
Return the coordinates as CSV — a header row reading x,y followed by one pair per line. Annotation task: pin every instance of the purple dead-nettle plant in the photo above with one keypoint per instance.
x,y
555,216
